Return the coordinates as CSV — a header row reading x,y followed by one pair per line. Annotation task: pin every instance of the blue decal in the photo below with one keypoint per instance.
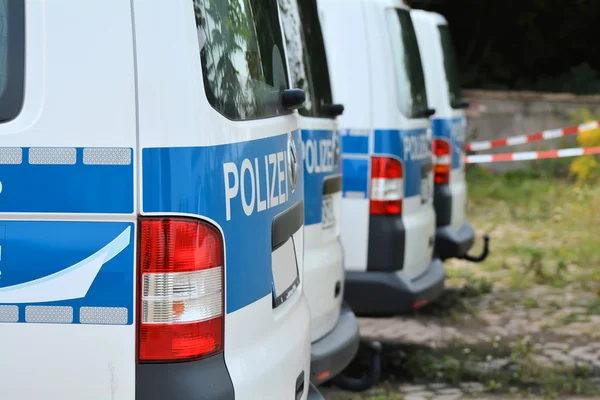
x,y
72,264
242,187
453,130
412,147
77,188
354,144
355,176
319,164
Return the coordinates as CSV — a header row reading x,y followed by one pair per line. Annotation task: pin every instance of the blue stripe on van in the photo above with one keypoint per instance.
x,y
355,177
411,147
65,188
318,165
67,272
191,180
453,130
353,144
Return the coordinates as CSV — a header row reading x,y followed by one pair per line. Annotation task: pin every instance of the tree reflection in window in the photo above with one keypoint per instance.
x,y
242,56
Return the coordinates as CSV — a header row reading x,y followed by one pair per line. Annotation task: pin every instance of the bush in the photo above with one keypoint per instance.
x,y
586,168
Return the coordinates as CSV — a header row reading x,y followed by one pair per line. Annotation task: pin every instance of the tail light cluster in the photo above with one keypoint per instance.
x,y
387,186
180,290
442,161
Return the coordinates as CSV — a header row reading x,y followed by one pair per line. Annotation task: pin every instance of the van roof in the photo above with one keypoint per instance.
x,y
429,17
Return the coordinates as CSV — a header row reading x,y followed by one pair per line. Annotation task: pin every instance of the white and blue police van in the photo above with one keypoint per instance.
x,y
388,220
151,210
454,234
334,327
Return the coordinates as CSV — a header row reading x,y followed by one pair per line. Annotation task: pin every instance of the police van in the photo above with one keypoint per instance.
x,y
151,229
388,220
334,327
454,234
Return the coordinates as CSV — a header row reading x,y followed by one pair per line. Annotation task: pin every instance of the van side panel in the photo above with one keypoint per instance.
x,y
68,208
345,39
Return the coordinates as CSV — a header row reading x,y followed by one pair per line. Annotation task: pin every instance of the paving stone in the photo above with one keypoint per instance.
x,y
449,391
448,397
412,388
419,395
437,386
557,346
472,387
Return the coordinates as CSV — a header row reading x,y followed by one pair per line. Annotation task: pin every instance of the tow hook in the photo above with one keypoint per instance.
x,y
372,376
484,253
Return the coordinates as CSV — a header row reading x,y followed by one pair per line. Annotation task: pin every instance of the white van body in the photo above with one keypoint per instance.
x,y
114,132
454,235
334,327
389,260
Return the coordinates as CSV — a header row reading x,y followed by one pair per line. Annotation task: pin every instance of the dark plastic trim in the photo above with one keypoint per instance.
x,y
206,379
442,202
387,242
451,242
388,293
286,224
332,184
334,351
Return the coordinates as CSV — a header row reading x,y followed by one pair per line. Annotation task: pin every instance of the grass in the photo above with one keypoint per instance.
x,y
543,230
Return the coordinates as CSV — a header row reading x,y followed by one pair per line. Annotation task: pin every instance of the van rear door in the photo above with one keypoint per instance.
x,y
414,144
67,200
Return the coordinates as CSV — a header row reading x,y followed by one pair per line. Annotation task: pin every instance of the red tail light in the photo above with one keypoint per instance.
x,y
442,161
180,290
387,186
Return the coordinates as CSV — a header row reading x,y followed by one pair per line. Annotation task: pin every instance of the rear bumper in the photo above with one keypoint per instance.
x,y
194,380
386,293
336,350
450,242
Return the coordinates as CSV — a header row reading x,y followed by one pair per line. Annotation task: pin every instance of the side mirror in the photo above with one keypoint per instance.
x,y
425,113
292,99
332,110
461,104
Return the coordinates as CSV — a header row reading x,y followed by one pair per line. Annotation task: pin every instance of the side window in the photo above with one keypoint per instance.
x,y
242,54
306,54
412,95
450,65
12,58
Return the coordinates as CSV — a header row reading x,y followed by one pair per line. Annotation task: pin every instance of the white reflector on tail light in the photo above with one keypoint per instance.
x,y
387,186
182,297
180,289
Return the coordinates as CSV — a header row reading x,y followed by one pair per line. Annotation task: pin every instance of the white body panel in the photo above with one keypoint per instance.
x,y
323,264
80,92
362,71
432,56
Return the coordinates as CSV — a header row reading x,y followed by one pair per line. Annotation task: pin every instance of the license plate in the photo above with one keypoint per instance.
x,y
284,266
328,213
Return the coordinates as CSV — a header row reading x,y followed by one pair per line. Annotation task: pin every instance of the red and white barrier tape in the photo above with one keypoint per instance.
x,y
531,155
544,135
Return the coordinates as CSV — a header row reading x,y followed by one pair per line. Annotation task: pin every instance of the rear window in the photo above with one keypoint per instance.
x,y
450,65
306,54
410,85
242,54
12,58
